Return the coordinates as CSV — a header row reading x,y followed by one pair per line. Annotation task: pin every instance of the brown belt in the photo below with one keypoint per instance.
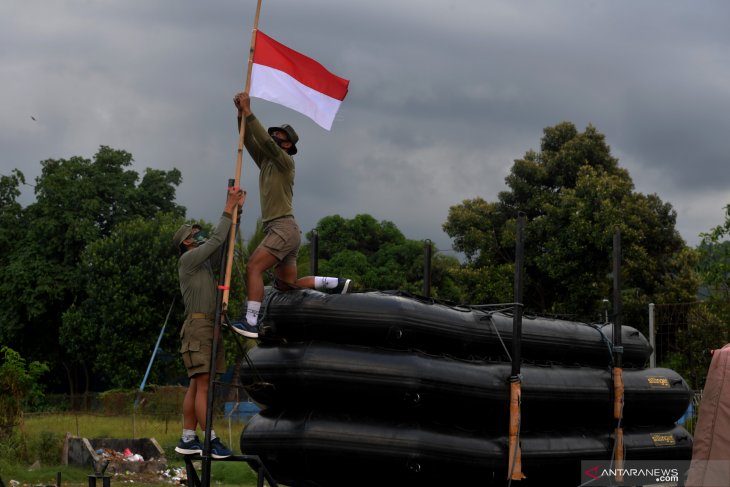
x,y
199,316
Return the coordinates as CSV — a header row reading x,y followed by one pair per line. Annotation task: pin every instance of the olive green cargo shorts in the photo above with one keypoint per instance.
x,y
282,240
196,348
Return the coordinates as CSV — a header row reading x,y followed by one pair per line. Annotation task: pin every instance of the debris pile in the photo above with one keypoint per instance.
x,y
174,475
119,455
126,455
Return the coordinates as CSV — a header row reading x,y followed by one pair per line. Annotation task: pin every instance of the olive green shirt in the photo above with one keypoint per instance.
x,y
195,270
276,171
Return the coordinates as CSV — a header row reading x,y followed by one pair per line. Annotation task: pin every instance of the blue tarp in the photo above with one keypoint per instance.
x,y
242,411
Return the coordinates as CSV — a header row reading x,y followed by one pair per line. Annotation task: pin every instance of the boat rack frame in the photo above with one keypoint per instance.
x,y
203,480
196,481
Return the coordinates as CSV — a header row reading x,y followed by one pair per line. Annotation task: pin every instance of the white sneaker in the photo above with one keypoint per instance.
x,y
343,286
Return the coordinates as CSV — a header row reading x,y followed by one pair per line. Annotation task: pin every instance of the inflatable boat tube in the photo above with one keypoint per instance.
x,y
309,448
472,393
398,320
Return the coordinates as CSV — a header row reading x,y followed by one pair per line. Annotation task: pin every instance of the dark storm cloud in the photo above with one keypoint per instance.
x,y
443,96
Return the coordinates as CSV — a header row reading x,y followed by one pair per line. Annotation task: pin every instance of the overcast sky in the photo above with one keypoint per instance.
x,y
444,95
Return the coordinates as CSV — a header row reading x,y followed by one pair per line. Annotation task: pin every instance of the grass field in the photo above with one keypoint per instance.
x,y
44,434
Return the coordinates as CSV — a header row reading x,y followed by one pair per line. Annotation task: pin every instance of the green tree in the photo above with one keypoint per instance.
x,y
708,323
19,388
11,229
376,255
78,201
130,281
703,330
575,196
10,214
363,233
714,264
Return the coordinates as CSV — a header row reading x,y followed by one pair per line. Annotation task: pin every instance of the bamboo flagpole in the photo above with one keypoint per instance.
x,y
239,162
224,281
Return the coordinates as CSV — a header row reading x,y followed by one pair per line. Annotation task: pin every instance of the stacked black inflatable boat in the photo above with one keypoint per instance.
x,y
383,388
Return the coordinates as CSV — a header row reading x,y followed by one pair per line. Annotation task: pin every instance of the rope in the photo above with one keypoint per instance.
x,y
613,451
604,339
498,335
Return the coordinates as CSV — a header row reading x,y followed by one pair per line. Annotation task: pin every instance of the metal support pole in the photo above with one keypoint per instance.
x,y
154,353
652,337
617,343
105,480
222,289
427,268
314,253
517,318
618,384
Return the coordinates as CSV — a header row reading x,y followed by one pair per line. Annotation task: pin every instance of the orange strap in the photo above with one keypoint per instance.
x,y
515,452
618,402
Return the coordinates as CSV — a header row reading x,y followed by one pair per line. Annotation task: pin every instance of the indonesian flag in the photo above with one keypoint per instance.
x,y
286,77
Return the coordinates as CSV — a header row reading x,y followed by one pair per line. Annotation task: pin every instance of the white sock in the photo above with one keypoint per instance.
x,y
212,435
188,435
252,312
322,283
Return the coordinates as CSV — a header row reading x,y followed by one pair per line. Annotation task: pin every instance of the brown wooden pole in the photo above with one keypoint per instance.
x,y
239,162
515,398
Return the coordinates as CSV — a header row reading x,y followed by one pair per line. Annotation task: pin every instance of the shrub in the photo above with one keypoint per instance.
x,y
19,388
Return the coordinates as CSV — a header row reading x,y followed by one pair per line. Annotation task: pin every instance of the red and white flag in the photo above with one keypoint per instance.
x,y
284,76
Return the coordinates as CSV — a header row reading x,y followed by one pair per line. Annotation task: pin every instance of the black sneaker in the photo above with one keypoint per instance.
x,y
192,447
343,286
243,328
218,449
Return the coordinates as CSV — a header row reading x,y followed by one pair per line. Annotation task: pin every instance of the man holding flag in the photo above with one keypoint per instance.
x,y
272,151
281,75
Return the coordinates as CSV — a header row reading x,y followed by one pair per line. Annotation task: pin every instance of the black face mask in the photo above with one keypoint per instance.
x,y
200,238
280,142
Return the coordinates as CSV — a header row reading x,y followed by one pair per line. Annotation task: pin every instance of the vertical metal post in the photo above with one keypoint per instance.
x,y
427,268
515,416
105,480
652,337
314,253
618,384
222,289
618,345
154,353
517,318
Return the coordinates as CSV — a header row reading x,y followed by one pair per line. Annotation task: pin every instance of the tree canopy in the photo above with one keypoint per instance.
x,y
19,387
376,255
90,272
78,202
714,252
574,196
130,281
